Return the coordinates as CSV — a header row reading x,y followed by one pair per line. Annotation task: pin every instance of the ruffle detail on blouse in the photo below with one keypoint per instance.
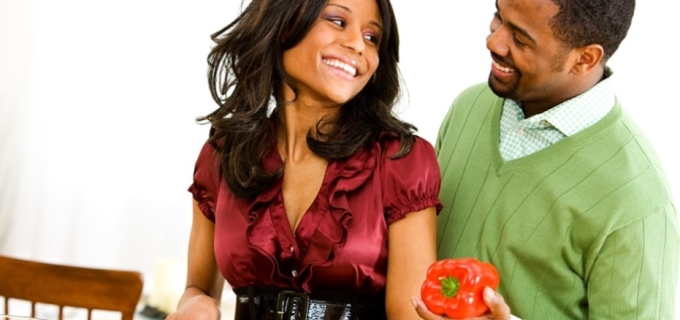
x,y
399,213
206,184
261,233
205,202
331,232
341,178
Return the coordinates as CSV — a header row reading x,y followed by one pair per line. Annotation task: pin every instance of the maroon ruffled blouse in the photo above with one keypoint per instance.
x,y
340,242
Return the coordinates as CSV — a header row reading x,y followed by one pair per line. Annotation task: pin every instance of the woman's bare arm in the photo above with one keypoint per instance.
x,y
411,250
201,298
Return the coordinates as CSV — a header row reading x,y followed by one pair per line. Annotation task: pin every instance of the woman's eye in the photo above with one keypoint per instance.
x,y
371,38
337,21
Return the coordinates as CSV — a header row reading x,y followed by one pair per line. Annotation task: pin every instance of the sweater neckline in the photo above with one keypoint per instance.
x,y
575,141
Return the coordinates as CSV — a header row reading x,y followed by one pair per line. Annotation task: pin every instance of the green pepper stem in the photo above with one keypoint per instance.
x,y
450,286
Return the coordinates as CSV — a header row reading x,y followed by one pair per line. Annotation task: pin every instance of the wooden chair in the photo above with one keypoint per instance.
x,y
71,286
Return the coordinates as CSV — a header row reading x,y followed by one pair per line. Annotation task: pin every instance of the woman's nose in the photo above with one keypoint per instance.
x,y
354,39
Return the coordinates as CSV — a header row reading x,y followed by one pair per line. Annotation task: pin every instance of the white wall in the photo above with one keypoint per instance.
x,y
98,98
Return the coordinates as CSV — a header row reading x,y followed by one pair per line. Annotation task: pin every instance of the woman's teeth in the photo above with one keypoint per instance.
x,y
341,65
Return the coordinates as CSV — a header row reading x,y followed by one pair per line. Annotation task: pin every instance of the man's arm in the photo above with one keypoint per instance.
x,y
635,272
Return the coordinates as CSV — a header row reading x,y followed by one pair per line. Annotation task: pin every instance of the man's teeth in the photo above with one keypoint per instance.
x,y
502,68
341,65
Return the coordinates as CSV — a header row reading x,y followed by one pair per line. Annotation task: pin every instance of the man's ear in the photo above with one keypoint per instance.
x,y
588,59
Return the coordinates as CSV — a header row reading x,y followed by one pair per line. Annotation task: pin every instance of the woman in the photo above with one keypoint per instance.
x,y
307,175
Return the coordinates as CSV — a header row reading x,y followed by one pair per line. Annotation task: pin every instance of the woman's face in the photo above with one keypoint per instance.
x,y
338,56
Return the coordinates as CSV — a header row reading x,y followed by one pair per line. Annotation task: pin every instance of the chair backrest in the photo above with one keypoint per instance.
x,y
70,286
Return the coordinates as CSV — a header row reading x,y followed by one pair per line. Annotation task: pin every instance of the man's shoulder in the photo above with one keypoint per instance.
x,y
474,93
478,96
477,88
481,88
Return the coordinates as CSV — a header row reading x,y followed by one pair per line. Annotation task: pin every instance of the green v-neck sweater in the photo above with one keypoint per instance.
x,y
584,229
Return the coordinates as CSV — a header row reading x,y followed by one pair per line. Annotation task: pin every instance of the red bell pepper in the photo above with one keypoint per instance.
x,y
454,287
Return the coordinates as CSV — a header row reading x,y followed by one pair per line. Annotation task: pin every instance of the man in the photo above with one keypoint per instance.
x,y
547,178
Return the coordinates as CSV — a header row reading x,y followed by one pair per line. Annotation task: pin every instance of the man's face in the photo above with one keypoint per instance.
x,y
530,64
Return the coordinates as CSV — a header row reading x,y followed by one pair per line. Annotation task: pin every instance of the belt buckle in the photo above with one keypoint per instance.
x,y
283,304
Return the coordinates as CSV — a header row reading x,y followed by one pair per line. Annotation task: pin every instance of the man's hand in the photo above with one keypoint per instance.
x,y
498,310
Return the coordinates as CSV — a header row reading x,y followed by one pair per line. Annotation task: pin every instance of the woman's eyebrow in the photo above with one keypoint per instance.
x,y
373,22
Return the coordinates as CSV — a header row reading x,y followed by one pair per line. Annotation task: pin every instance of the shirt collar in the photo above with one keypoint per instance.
x,y
578,113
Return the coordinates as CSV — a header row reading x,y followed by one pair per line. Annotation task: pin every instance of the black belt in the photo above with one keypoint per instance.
x,y
273,303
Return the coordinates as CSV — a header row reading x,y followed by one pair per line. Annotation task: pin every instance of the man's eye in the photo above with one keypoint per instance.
x,y
517,41
495,22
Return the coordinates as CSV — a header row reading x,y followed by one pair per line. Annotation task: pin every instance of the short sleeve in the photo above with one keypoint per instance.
x,y
411,183
207,177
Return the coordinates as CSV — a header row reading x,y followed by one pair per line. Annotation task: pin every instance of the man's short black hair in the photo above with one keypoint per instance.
x,y
583,22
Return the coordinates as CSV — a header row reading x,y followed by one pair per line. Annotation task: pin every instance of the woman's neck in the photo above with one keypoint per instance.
x,y
295,122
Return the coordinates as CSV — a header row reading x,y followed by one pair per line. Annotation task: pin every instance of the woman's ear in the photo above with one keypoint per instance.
x,y
588,59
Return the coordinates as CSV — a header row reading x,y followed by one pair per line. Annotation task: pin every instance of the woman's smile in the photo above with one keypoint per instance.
x,y
346,71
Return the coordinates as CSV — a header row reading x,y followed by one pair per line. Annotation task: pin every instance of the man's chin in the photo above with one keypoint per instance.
x,y
501,91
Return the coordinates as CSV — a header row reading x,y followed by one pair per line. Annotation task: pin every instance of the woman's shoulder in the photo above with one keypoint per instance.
x,y
418,161
393,154
411,182
420,147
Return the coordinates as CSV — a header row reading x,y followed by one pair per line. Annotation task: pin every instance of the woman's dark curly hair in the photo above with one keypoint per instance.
x,y
582,22
246,74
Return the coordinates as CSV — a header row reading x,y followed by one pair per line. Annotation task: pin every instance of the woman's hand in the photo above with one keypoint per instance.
x,y
200,307
498,309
